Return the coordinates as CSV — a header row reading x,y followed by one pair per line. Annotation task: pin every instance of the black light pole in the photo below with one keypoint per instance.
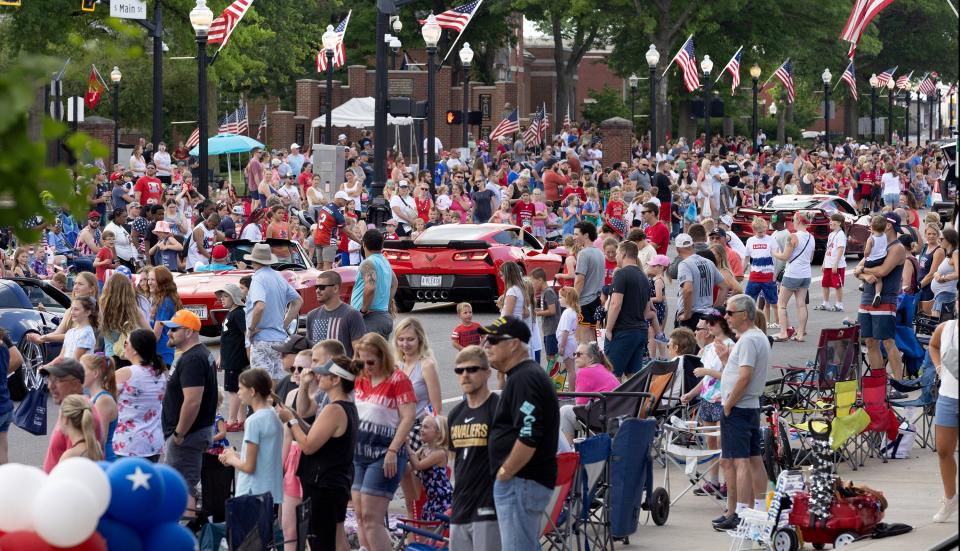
x,y
826,77
653,58
155,28
939,116
755,76
330,39
919,116
201,18
950,110
384,9
466,57
633,102
115,76
930,99
891,84
874,83
707,66
431,35
906,116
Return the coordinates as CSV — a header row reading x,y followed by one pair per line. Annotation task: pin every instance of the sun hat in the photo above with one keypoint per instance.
x,y
162,227
233,291
261,254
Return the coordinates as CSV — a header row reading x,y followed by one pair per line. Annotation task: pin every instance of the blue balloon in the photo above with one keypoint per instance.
x,y
119,536
174,500
137,490
105,465
169,536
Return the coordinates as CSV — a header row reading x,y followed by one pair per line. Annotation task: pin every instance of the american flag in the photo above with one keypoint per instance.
x,y
533,135
507,126
850,77
228,124
545,124
904,81
263,123
952,90
339,55
194,139
687,61
885,77
733,66
243,125
928,86
223,26
458,18
566,118
784,74
861,15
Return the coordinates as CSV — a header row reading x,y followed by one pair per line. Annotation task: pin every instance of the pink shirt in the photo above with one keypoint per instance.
x,y
595,378
59,443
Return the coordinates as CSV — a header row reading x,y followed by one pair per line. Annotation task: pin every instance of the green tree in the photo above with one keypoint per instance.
x,y
606,103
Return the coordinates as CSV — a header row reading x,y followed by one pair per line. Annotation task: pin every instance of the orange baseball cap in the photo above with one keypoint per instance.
x,y
184,318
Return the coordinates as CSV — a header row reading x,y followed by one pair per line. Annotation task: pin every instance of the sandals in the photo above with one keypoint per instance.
x,y
778,338
797,337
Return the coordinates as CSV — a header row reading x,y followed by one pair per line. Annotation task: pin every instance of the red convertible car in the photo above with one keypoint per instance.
x,y
461,262
818,208
197,290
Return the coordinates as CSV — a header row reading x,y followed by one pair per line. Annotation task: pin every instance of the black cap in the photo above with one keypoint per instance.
x,y
294,345
894,219
507,327
720,232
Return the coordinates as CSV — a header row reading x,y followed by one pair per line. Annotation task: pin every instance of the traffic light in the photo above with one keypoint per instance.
x,y
454,117
88,5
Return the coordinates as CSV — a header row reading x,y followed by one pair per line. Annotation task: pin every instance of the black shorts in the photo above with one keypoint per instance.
x,y
588,313
691,323
329,509
231,380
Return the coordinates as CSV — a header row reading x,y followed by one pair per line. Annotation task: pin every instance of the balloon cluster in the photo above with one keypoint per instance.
x,y
129,505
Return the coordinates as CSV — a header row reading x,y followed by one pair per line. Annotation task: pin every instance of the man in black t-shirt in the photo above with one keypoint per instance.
x,y
473,525
729,189
190,402
629,308
662,182
523,436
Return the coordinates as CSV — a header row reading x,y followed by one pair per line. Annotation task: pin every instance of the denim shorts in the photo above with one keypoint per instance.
x,y
550,345
795,283
768,289
5,420
891,199
368,477
947,412
740,433
942,298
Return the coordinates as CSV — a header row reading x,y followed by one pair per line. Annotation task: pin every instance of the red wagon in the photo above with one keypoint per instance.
x,y
850,518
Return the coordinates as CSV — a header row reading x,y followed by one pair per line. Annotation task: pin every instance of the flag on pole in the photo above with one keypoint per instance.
x,y
952,90
243,125
904,81
850,77
784,74
687,60
863,12
507,126
339,53
228,124
885,77
533,135
545,124
223,26
457,18
928,87
566,118
194,139
733,67
95,90
263,123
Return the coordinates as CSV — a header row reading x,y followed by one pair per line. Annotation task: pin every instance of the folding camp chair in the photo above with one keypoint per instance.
x,y
883,420
838,415
659,380
250,525
684,445
838,359
926,402
556,522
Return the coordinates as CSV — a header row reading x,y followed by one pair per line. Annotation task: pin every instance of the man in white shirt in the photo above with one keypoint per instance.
x,y
295,159
437,146
163,163
403,207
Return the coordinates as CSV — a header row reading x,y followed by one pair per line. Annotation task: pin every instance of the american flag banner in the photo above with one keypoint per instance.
x,y
850,77
223,26
886,76
228,124
533,135
263,123
507,126
566,119
784,74
904,81
458,18
194,139
545,124
952,90
863,12
928,86
243,125
733,67
339,53
687,60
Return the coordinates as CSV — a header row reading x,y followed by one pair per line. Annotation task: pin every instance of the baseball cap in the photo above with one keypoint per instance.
x,y
294,145
124,271
220,252
342,195
238,209
65,368
683,241
331,368
293,345
726,219
134,205
719,232
894,219
184,318
403,183
93,214
390,221
660,260
507,327
342,137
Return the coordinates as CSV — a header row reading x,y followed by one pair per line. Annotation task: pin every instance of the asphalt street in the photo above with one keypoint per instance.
x,y
440,319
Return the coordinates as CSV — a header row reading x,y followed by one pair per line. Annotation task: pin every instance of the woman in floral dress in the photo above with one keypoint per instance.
x,y
140,389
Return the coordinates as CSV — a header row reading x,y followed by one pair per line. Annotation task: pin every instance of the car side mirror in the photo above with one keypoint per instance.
x,y
550,245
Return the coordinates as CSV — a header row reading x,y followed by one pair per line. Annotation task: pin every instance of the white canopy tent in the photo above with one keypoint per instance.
x,y
358,113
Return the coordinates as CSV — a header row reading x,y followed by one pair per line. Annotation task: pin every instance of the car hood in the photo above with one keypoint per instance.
x,y
208,283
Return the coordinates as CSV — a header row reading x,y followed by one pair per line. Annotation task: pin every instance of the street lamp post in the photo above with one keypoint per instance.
x,y
431,35
932,98
939,115
755,76
466,57
826,77
707,66
874,83
115,76
653,58
201,17
906,116
330,39
920,99
633,102
891,85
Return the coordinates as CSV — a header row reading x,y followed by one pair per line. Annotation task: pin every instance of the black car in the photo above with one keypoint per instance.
x,y
27,306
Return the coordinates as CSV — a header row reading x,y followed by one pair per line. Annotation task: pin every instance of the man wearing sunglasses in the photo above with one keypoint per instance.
x,y
523,436
334,319
473,524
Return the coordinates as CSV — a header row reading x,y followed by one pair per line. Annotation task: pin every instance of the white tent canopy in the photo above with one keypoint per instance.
x,y
358,113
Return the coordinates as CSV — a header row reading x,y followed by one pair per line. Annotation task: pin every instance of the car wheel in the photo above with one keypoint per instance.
x,y
405,305
32,360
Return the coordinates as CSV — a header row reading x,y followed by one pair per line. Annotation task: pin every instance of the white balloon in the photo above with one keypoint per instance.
x,y
64,513
18,486
88,473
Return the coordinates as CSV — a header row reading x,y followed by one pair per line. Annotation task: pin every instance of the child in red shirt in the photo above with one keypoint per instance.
x,y
105,257
468,332
524,210
616,208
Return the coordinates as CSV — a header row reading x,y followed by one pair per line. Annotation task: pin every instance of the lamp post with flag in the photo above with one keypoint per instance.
x,y
755,76
431,35
115,76
466,57
707,67
874,84
920,100
201,17
906,115
330,40
653,58
891,86
826,77
633,102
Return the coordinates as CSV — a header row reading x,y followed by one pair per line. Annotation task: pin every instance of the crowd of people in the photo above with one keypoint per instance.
x,y
352,411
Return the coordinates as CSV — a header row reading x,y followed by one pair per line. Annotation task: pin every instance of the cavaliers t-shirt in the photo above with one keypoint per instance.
x,y
473,492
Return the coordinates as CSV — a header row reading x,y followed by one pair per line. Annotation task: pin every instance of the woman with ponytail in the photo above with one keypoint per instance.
x,y
77,424
140,388
100,384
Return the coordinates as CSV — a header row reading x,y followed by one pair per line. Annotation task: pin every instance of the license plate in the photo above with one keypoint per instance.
x,y
198,309
431,281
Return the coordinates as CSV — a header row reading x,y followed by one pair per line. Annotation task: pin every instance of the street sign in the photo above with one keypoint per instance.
x,y
128,9
75,109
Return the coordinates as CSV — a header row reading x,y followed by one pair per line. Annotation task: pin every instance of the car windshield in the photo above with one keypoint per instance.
x,y
791,202
285,251
441,235
39,297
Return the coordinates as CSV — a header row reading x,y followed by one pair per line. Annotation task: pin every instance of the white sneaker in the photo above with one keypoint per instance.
x,y
947,508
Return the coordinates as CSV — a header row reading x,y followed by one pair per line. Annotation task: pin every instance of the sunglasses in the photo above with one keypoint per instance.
x,y
579,354
322,286
471,369
299,368
729,313
173,329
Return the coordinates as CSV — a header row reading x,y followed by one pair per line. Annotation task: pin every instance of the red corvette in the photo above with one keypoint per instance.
x,y
452,263
819,208
197,290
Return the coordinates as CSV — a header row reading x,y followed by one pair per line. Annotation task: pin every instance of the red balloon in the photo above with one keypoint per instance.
x,y
23,541
93,543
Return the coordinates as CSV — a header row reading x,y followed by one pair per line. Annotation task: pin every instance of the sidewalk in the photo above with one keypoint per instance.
x,y
911,486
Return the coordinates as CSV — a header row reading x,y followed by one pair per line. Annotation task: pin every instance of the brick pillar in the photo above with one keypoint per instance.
x,y
617,140
280,129
101,129
308,99
305,123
